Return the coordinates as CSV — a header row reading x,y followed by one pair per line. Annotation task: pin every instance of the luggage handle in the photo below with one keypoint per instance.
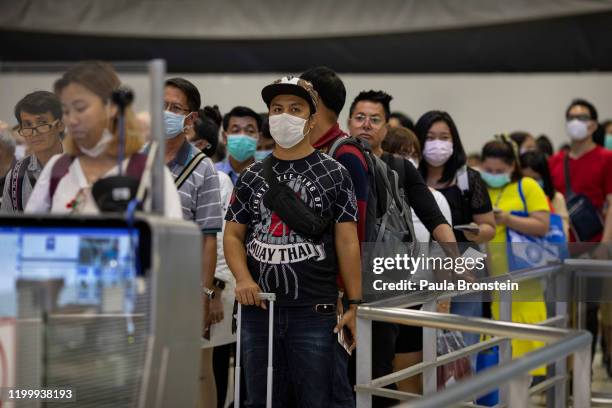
x,y
271,297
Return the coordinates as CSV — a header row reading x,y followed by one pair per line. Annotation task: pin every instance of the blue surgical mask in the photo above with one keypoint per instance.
x,y
241,147
608,141
173,124
495,180
262,154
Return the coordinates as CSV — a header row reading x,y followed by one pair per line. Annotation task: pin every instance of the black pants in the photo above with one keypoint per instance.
x,y
221,361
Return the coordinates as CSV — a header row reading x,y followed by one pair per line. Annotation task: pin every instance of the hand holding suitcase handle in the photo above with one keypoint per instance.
x,y
248,293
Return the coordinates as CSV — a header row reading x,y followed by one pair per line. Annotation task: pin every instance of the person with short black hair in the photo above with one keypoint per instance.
x,y
399,119
265,144
241,132
534,164
590,174
198,184
524,140
544,145
369,115
39,115
268,249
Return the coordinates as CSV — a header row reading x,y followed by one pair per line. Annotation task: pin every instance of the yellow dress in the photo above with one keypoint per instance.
x,y
528,304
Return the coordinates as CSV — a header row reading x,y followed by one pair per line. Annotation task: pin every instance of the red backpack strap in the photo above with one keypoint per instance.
x,y
58,171
136,165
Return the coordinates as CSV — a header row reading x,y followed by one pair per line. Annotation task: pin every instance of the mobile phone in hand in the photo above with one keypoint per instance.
x,y
467,227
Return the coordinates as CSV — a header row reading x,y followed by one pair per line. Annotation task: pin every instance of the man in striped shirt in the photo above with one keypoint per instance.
x,y
198,186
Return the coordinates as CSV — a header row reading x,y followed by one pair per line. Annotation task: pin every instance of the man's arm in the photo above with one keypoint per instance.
x,y
235,256
349,263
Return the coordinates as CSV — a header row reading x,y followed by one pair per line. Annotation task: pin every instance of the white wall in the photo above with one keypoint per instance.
x,y
482,105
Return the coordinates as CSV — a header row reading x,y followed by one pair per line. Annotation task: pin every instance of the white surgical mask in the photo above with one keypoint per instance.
x,y
100,147
437,152
577,129
287,130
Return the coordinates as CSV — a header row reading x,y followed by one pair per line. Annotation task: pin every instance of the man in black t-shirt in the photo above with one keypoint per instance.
x,y
266,254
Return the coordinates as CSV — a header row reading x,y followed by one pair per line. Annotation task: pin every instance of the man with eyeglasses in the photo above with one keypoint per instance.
x,y
368,117
241,132
198,185
39,115
590,174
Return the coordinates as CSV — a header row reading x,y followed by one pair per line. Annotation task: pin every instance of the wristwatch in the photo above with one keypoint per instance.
x,y
208,292
355,301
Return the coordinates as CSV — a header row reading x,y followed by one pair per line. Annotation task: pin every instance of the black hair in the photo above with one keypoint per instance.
x,y
39,102
241,112
374,96
191,92
519,137
457,159
328,85
265,126
403,119
544,145
537,162
505,149
586,104
207,128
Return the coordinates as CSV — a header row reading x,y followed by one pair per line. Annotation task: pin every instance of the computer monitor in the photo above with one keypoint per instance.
x,y
109,308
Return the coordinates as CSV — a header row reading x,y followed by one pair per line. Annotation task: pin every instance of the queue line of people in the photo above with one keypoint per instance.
x,y
73,139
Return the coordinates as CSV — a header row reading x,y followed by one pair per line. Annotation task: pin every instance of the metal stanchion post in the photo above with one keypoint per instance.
x,y
364,360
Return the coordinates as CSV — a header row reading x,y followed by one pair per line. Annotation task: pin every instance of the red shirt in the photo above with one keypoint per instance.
x,y
590,174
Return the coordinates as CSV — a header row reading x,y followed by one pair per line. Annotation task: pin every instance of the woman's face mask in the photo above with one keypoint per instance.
x,y
495,180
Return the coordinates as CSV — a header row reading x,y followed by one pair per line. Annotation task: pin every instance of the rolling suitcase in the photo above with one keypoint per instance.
x,y
270,297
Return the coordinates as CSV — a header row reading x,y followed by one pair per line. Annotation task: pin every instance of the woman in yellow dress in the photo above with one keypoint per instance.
x,y
501,172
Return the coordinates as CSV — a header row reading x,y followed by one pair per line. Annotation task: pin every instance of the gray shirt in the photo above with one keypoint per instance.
x,y
200,193
32,173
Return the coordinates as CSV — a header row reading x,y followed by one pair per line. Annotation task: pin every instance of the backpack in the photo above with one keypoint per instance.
x,y
388,216
388,227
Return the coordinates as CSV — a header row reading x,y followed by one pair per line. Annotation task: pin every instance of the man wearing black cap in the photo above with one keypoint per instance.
x,y
297,260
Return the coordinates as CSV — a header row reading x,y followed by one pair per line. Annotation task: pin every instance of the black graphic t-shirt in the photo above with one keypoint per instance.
x,y
299,270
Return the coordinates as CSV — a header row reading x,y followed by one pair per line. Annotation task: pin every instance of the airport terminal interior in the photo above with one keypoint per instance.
x,y
324,204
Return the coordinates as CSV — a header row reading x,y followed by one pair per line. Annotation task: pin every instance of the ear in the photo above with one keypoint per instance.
x,y
193,116
592,127
113,110
224,137
61,126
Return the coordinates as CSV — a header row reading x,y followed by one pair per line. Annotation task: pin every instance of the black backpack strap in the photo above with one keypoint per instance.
x,y
568,185
191,166
268,173
16,186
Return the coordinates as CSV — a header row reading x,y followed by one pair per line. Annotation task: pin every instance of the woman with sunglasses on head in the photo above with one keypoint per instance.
x,y
91,146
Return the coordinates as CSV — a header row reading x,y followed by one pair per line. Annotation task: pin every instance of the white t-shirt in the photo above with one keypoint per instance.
x,y
74,188
420,231
226,187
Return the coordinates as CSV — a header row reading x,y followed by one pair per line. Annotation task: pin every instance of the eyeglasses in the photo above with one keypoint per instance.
x,y
174,108
375,120
44,128
582,118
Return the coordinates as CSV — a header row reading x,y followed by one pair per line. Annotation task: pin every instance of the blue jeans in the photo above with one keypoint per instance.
x,y
305,358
